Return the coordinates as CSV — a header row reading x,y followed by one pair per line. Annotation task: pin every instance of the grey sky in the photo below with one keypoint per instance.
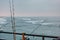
x,y
32,7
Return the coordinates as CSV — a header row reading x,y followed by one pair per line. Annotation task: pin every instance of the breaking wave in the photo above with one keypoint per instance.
x,y
26,18
47,23
35,22
3,21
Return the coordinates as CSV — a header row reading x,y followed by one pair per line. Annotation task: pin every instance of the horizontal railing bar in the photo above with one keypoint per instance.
x,y
30,34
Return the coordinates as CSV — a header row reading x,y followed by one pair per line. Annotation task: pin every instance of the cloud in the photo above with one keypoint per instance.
x,y
32,7
37,5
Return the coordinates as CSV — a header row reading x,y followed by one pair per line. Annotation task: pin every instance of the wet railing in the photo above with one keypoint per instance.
x,y
43,36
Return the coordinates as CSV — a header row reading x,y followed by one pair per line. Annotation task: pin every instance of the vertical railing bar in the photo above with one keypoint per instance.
x,y
42,38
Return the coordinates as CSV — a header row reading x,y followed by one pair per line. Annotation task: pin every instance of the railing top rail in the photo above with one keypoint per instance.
x,y
30,34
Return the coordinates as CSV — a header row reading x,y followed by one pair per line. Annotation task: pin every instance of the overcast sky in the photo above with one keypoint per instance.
x,y
31,7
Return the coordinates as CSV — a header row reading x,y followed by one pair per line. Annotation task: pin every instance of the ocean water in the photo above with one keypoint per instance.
x,y
40,25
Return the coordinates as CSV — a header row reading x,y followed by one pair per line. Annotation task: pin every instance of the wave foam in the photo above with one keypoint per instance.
x,y
46,23
26,18
33,22
2,21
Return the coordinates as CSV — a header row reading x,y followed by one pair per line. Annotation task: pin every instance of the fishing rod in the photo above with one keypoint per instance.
x,y
12,17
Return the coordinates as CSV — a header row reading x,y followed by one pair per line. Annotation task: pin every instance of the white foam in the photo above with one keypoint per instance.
x,y
41,21
47,23
3,21
1,28
26,18
33,22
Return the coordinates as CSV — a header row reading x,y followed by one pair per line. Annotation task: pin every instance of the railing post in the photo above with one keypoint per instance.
x,y
23,38
42,38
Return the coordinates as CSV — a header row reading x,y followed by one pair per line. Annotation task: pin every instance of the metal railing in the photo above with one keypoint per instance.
x,y
43,36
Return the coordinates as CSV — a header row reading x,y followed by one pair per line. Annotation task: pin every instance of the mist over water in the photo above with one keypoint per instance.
x,y
45,26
